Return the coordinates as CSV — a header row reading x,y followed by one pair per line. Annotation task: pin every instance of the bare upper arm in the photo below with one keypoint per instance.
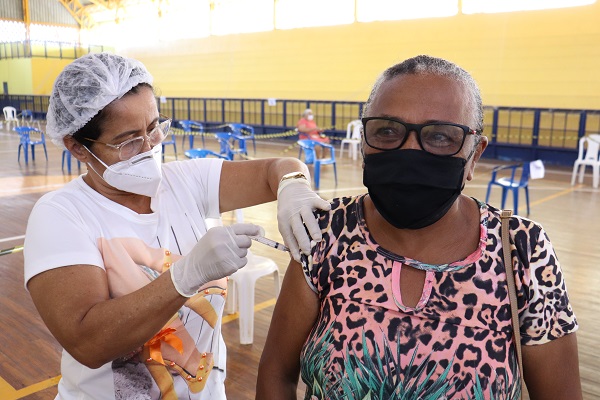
x,y
63,296
552,369
294,316
244,184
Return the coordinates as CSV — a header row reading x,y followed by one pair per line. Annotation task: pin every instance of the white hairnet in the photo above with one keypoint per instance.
x,y
86,86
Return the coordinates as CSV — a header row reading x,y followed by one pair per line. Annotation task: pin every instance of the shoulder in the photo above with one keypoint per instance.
x,y
67,198
520,227
343,217
189,173
342,208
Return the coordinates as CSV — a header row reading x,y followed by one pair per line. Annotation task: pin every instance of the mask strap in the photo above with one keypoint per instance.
x,y
99,160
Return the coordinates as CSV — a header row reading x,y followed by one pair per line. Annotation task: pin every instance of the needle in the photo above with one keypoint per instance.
x,y
270,243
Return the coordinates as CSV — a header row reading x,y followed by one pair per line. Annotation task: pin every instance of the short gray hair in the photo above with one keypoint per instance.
x,y
422,65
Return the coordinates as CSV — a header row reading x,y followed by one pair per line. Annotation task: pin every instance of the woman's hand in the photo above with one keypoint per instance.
x,y
218,254
296,203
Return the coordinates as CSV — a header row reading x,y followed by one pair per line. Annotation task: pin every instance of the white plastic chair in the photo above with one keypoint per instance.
x,y
352,138
242,291
10,116
592,142
242,284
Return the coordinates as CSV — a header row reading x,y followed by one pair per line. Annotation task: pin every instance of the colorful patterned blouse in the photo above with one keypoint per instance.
x,y
456,343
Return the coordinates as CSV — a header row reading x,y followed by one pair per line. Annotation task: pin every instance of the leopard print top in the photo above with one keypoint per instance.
x,y
456,343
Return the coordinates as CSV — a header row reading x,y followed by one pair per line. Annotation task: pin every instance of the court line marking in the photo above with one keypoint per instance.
x,y
9,239
257,307
7,392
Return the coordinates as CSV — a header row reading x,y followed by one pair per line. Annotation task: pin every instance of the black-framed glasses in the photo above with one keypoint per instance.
x,y
442,139
131,147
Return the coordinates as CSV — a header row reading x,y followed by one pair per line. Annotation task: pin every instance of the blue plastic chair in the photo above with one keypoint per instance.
x,y
203,153
169,142
25,142
514,182
242,133
310,157
27,119
66,156
191,126
226,149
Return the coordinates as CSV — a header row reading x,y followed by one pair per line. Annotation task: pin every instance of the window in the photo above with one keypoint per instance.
x,y
390,10
241,16
291,14
12,31
497,6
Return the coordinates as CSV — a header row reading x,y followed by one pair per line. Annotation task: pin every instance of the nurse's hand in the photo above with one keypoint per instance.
x,y
218,254
296,203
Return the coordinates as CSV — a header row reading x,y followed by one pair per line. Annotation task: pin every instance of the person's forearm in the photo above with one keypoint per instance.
x,y
119,326
282,166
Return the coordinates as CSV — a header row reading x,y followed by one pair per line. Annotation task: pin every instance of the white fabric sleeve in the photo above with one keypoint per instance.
x,y
201,177
56,238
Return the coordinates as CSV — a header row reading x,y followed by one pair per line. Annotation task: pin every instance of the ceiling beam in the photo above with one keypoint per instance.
x,y
109,4
80,11
77,10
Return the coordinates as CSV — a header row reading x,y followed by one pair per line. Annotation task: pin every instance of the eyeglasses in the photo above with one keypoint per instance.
x,y
442,139
132,147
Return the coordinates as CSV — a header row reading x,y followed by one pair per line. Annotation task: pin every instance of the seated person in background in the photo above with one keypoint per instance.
x,y
308,129
406,294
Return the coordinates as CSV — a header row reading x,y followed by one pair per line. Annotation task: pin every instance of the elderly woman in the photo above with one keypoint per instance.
x,y
406,295
119,262
308,129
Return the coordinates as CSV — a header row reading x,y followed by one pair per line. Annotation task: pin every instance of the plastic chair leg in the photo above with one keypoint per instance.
x,y
504,193
245,292
595,176
515,194
581,172
335,173
527,199
32,152
45,151
574,174
25,153
317,173
68,157
487,195
354,151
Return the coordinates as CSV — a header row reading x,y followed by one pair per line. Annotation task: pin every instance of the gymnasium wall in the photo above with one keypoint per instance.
x,y
17,72
547,58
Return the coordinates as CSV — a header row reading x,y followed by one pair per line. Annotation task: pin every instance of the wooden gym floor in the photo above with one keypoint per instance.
x,y
30,357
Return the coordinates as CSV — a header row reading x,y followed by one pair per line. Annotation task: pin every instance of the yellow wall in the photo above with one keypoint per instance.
x,y
17,72
538,58
44,73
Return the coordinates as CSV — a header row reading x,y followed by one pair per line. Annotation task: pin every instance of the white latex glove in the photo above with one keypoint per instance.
x,y
295,205
218,254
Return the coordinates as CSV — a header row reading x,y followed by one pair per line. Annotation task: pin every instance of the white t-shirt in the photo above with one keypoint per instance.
x,y
75,225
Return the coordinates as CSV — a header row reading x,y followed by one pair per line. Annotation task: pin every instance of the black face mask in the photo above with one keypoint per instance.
x,y
413,189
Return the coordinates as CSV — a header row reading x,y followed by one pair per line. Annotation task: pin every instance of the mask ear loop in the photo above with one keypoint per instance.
x,y
99,160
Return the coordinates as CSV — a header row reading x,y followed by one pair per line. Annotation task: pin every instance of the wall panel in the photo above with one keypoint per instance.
x,y
536,59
